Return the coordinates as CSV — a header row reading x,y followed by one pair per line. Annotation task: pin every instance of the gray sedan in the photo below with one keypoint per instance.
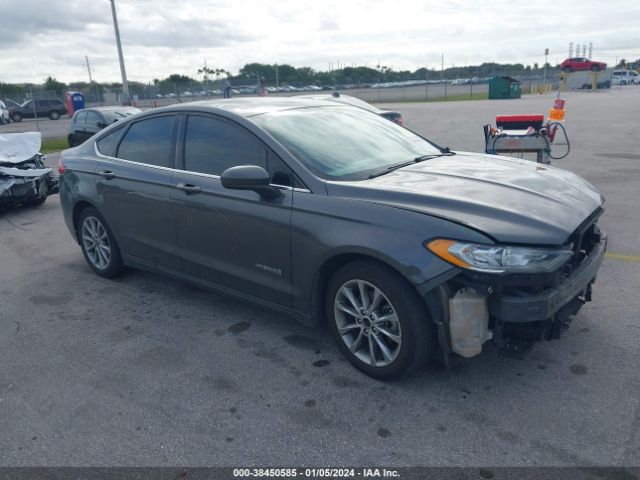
x,y
409,252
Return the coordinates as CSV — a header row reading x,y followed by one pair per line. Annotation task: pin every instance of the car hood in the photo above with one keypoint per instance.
x,y
18,147
511,200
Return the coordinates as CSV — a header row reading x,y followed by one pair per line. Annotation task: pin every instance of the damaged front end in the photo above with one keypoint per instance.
x,y
24,177
517,309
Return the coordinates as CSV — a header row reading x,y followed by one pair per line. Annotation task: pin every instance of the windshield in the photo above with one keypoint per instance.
x,y
113,115
343,143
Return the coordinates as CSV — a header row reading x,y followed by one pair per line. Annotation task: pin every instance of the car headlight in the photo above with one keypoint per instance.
x,y
499,258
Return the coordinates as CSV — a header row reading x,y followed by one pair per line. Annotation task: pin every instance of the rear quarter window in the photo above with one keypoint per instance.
x,y
107,144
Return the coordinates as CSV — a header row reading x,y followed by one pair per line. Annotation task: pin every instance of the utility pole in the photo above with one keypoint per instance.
x,y
544,76
125,85
277,83
95,87
426,82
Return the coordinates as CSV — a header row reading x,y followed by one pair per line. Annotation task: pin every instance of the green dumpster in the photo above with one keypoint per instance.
x,y
504,87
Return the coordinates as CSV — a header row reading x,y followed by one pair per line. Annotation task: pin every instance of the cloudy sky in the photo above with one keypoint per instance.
x,y
160,37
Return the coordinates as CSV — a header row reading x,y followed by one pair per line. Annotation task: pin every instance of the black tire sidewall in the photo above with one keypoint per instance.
x,y
54,115
71,139
115,266
418,332
16,117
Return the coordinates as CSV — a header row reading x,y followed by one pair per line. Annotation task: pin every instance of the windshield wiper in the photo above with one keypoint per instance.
x,y
419,159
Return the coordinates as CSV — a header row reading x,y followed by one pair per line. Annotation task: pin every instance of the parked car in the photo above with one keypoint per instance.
x,y
41,107
625,77
4,114
89,121
356,102
579,63
408,251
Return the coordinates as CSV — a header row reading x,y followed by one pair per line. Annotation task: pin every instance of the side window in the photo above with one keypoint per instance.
x,y
43,103
107,144
213,145
81,118
93,118
148,141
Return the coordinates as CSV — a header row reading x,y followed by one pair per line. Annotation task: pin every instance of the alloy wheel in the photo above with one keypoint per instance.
x,y
368,323
96,243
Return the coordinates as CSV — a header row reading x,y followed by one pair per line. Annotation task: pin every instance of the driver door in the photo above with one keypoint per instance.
x,y
235,239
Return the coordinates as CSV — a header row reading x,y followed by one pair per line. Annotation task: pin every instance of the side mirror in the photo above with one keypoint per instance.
x,y
249,177
100,124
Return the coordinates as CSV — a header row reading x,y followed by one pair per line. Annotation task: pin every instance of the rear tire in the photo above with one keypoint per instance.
x,y
567,69
98,244
595,68
378,320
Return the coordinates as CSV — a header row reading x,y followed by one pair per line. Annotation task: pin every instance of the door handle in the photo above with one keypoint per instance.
x,y
188,188
107,174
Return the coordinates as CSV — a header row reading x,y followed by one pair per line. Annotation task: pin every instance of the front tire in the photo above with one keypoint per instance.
x,y
53,115
378,320
98,244
72,140
16,117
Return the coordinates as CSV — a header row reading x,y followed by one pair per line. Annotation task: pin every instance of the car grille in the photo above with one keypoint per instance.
x,y
583,240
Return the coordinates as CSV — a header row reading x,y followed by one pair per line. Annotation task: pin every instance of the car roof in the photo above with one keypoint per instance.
x,y
345,100
111,109
248,107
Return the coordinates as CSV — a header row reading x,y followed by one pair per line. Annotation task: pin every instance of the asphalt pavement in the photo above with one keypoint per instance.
x,y
144,370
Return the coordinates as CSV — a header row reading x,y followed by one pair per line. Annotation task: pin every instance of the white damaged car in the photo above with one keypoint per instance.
x,y
24,177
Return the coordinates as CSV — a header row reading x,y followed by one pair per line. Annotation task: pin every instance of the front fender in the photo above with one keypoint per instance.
x,y
325,228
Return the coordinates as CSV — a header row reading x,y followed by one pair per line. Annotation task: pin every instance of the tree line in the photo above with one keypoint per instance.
x,y
208,78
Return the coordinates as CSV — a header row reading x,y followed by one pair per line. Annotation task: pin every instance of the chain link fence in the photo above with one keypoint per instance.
x,y
153,95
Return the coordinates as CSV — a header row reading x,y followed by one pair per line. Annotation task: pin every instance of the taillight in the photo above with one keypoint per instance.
x,y
60,166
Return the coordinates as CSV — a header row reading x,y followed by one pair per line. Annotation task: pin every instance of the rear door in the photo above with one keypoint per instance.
x,y
134,189
80,126
232,238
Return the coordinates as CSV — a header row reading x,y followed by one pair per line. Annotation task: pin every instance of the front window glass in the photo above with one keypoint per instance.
x,y
92,118
81,117
343,143
213,145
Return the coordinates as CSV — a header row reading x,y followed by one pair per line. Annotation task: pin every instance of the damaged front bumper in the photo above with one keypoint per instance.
x,y
514,311
28,182
24,177
520,320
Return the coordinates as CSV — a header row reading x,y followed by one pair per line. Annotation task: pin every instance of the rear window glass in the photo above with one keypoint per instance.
x,y
148,141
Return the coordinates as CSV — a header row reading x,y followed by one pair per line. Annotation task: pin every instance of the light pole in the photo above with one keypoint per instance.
x,y
125,85
544,76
